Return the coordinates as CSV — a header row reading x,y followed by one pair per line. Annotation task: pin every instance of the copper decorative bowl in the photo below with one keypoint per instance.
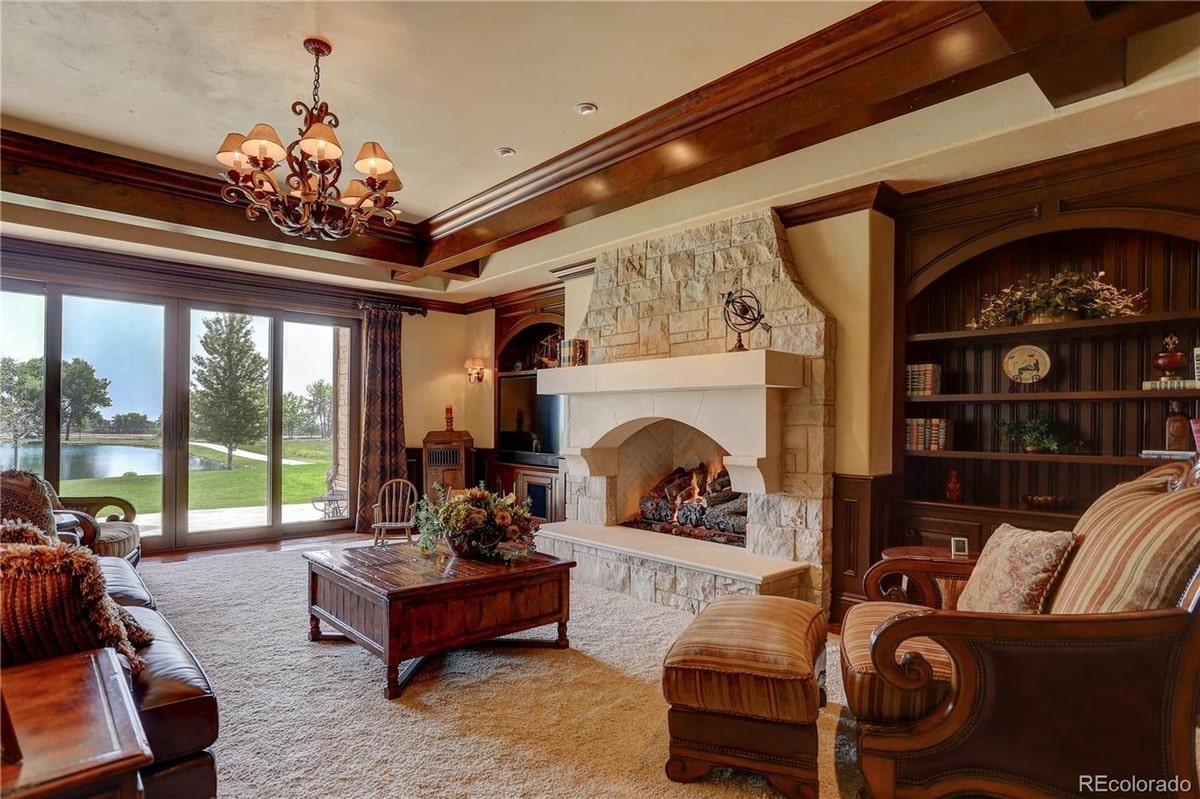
x,y
1045,502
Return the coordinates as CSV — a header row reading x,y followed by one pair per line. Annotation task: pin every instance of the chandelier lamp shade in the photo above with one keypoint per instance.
x,y
308,202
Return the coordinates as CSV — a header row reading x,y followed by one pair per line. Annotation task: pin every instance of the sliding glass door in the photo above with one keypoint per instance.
x,y
218,423
22,381
110,440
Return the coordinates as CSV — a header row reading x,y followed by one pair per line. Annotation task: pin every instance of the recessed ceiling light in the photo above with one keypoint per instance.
x,y
505,152
586,109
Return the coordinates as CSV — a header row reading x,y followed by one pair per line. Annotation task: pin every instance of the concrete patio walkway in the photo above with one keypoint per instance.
x,y
230,518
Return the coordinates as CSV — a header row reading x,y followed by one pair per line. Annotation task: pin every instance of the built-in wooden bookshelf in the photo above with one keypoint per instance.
x,y
1092,393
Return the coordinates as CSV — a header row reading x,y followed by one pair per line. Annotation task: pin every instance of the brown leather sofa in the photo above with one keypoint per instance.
x,y
174,698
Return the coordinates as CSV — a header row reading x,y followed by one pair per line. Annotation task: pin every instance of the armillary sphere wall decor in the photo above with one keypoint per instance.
x,y
309,204
743,313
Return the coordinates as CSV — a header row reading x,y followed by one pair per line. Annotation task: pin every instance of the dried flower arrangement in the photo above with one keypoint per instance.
x,y
476,523
1070,294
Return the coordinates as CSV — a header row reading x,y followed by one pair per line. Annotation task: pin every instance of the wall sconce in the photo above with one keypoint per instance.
x,y
474,367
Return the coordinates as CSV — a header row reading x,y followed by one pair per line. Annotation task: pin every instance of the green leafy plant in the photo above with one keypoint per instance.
x,y
1067,292
476,523
1037,434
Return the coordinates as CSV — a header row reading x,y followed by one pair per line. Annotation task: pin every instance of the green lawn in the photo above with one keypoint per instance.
x,y
245,486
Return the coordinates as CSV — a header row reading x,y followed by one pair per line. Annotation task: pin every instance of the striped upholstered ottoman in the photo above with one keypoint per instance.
x,y
745,682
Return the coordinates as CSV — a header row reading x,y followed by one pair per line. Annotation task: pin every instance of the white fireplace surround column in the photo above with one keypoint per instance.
x,y
735,398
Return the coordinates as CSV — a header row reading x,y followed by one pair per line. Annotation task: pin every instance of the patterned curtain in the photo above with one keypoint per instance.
x,y
383,410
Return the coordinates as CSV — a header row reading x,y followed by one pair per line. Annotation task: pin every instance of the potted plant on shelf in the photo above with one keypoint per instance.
x,y
1068,295
1036,434
476,524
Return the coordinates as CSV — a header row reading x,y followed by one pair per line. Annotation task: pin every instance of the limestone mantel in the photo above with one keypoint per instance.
x,y
735,398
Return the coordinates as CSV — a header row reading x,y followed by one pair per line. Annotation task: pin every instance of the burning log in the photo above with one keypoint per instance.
x,y
729,517
660,488
719,483
656,509
692,514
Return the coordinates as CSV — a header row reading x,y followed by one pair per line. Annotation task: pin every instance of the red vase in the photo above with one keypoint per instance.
x,y
954,487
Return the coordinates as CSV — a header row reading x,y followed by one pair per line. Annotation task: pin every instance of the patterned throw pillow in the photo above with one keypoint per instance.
x,y
53,602
23,496
1016,571
19,531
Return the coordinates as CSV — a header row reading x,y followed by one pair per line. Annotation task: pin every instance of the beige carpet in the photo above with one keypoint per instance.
x,y
302,719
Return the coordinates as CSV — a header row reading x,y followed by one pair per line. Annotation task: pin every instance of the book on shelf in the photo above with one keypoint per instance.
x,y
1169,385
1167,454
926,434
922,379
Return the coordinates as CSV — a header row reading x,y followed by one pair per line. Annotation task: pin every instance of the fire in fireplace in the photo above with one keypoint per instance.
x,y
696,503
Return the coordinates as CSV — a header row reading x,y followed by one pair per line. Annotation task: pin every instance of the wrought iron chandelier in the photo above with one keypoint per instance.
x,y
309,203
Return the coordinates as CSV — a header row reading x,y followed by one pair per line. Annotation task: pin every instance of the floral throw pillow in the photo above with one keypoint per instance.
x,y
1016,571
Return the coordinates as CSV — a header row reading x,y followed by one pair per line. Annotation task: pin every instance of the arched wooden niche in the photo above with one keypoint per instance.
x,y
1166,266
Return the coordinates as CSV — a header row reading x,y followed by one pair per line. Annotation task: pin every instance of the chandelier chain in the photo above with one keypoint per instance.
x,y
316,80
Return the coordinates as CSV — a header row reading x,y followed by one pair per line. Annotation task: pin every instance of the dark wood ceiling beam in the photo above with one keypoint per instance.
x,y
1084,72
63,173
887,61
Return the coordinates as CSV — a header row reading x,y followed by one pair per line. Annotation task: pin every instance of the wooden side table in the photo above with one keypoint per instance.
x,y
77,726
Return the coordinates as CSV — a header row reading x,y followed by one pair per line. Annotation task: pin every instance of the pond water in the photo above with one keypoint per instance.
x,y
81,461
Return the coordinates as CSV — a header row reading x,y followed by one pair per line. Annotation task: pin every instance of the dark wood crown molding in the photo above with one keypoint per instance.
x,y
60,172
546,295
879,196
882,63
40,261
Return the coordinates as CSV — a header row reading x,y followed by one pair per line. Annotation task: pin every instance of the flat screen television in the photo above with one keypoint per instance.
x,y
530,424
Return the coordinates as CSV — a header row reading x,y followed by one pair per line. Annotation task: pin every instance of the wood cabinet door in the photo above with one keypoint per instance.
x,y
541,490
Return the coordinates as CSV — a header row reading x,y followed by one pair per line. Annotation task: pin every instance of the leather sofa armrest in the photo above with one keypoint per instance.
x,y
93,506
897,579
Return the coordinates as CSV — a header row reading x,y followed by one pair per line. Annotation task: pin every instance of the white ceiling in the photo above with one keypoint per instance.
x,y
440,84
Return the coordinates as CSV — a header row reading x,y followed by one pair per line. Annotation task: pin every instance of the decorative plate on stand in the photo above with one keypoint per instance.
x,y
1026,366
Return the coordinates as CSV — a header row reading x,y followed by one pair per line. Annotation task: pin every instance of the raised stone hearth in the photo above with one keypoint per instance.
x,y
666,569
659,352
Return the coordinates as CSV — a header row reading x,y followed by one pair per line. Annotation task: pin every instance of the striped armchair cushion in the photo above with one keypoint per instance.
x,y
869,696
1139,547
53,602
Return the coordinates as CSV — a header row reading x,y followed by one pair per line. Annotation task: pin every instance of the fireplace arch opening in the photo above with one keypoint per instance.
x,y
671,478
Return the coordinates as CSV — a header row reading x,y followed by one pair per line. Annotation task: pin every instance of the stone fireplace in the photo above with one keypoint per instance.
x,y
662,391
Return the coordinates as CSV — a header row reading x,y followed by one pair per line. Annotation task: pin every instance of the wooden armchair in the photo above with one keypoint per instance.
x,y
1103,687
115,534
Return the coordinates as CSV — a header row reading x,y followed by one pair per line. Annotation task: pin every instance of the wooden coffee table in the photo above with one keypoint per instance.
x,y
400,604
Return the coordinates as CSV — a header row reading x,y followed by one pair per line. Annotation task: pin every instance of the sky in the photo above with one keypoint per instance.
x,y
124,342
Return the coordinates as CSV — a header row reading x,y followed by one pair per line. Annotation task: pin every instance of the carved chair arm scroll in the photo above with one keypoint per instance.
x,y
896,579
84,529
1132,677
93,506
